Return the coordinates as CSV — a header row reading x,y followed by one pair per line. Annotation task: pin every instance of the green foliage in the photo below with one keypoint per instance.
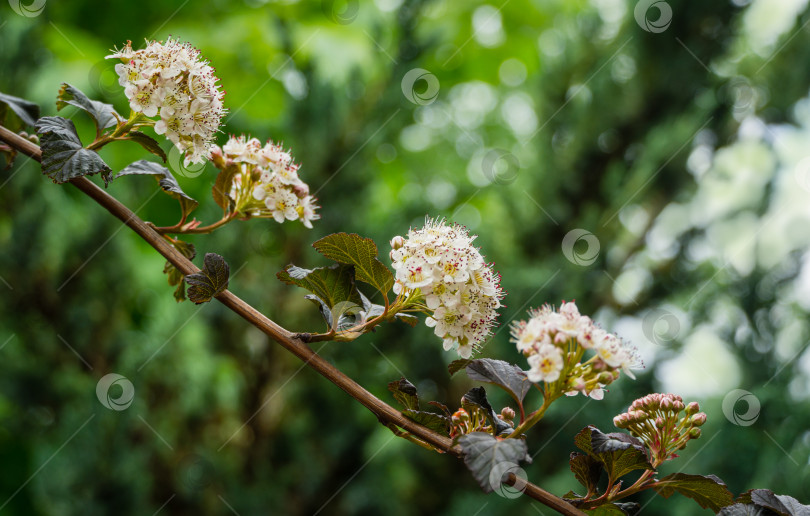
x,y
483,453
406,395
508,377
210,281
352,249
707,490
761,501
147,142
618,453
63,156
103,115
476,399
333,285
164,178
26,111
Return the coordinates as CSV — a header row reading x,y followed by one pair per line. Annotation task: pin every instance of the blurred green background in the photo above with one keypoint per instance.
x,y
681,148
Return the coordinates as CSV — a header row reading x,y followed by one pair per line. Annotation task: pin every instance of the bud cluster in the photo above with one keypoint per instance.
x,y
172,80
656,420
554,343
460,289
464,422
265,180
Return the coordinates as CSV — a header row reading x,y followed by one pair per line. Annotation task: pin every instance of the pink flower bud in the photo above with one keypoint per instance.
x,y
698,419
659,422
508,413
692,408
216,157
301,190
397,242
694,433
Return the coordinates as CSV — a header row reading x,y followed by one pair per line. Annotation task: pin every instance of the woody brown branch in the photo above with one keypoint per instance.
x,y
385,413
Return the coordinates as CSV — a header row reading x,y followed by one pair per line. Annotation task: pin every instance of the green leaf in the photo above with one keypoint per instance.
x,y
103,115
436,422
147,142
488,457
476,398
27,111
708,491
405,393
164,178
507,376
615,508
457,365
609,509
333,285
63,157
410,320
210,281
765,499
742,509
586,469
618,453
352,249
222,187
175,277
180,292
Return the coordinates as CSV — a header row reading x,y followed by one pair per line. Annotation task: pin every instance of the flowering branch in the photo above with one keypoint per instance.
x,y
386,414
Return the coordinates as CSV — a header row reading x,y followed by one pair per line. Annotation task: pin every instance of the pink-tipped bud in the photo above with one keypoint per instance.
x,y
698,419
694,433
397,242
666,404
659,422
508,413
217,158
301,190
620,421
692,408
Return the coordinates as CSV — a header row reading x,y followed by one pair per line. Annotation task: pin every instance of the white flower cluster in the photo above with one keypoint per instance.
x,y
551,338
463,292
172,80
271,179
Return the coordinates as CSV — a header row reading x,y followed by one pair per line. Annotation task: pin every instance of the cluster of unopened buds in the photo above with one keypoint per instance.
x,y
656,420
463,422
554,343
265,181
461,291
172,80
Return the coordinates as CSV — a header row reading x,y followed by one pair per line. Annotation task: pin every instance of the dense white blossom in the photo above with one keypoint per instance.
x,y
266,183
551,337
173,81
461,290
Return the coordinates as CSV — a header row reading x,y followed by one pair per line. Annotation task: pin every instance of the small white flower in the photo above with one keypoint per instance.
x,y
546,364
